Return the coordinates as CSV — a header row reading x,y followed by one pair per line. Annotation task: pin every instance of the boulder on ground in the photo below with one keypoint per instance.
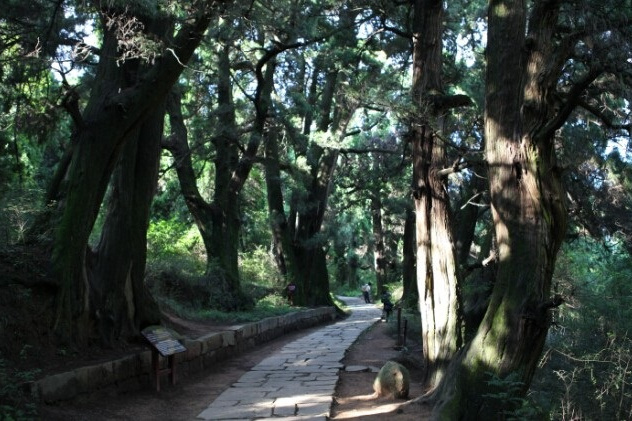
x,y
393,380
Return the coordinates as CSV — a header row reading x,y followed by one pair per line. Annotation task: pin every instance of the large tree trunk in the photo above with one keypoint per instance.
x,y
113,115
307,214
308,248
410,295
123,305
223,252
379,251
307,217
281,235
219,223
436,255
177,143
527,210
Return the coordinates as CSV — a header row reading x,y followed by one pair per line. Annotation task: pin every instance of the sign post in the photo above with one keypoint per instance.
x,y
163,343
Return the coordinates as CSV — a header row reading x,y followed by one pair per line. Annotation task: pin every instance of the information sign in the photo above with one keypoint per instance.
x,y
163,341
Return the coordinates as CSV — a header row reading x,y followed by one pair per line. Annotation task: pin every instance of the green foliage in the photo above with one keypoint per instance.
x,y
15,403
255,230
345,290
508,395
18,210
257,267
586,372
168,202
176,239
192,297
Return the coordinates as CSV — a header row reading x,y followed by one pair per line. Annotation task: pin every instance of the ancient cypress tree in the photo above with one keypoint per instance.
x,y
529,51
115,146
437,270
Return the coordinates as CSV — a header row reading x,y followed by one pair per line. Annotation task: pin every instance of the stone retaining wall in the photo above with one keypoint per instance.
x,y
135,371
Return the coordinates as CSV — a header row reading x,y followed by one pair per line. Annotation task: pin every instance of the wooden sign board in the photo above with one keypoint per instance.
x,y
163,341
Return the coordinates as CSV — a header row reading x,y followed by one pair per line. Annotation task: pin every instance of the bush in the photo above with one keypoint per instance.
x,y
15,404
257,267
170,238
18,210
586,372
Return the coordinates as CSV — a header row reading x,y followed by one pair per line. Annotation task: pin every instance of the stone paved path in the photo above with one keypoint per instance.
x,y
299,382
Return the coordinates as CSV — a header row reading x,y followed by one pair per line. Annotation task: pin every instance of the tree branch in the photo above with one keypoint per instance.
x,y
573,99
457,166
554,302
447,102
604,119
367,150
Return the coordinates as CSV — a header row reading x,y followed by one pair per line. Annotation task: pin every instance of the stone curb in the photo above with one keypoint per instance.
x,y
134,371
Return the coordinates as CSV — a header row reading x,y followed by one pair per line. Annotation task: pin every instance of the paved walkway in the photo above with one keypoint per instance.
x,y
299,382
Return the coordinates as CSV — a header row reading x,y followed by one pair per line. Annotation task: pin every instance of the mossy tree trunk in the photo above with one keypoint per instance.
x,y
308,246
218,221
281,235
223,243
118,273
308,212
527,209
120,102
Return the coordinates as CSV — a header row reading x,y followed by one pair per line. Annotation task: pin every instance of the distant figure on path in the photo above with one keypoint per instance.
x,y
366,292
388,305
289,291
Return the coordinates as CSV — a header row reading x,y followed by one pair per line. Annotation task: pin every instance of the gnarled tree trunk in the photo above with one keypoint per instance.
x,y
113,117
527,209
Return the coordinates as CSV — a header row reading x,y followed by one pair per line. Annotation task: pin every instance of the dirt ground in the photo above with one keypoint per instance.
x,y
354,398
191,395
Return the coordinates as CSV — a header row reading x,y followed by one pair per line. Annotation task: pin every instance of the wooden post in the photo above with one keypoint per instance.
x,y
399,326
155,363
405,331
172,368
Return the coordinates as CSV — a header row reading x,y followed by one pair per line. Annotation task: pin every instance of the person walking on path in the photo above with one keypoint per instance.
x,y
366,293
300,381
387,309
290,290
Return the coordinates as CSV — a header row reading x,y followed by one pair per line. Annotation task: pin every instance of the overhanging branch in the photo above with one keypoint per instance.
x,y
604,119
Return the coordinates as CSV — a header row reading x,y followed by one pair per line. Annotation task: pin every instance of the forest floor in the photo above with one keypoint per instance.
x,y
28,352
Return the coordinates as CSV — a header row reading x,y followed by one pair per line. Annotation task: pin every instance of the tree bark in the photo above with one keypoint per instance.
x,y
379,252
308,248
281,236
410,295
439,301
223,252
113,114
309,216
219,221
527,210
123,305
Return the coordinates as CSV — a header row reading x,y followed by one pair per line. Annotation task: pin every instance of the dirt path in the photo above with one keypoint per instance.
x,y
354,394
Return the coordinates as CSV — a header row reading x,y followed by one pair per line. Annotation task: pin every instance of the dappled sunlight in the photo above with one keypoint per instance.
x,y
359,322
368,405
374,410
